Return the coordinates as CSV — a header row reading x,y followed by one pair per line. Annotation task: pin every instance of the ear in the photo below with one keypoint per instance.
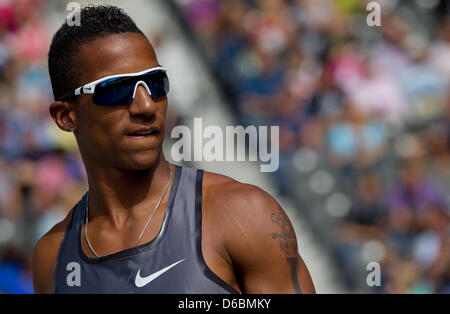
x,y
63,115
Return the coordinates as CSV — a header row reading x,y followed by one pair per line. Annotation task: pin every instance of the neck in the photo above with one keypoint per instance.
x,y
118,194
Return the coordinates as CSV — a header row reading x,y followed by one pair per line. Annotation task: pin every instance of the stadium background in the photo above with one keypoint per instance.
x,y
364,116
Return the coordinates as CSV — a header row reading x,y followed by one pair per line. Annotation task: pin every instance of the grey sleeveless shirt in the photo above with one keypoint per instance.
x,y
170,263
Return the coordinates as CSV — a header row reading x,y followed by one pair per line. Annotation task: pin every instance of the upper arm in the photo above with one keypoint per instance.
x,y
44,257
262,244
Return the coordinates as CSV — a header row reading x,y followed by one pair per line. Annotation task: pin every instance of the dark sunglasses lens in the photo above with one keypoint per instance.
x,y
117,91
157,82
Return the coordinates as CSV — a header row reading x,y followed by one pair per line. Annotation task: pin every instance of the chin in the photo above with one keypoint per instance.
x,y
141,161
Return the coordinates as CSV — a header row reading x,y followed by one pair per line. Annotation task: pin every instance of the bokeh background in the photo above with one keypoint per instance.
x,y
364,116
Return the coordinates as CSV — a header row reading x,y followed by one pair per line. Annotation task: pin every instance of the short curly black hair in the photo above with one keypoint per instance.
x,y
96,21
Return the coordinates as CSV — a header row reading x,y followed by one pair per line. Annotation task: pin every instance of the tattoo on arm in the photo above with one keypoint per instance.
x,y
292,261
287,235
288,245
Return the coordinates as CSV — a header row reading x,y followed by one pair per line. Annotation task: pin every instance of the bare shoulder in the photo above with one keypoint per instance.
x,y
227,196
223,188
45,254
242,214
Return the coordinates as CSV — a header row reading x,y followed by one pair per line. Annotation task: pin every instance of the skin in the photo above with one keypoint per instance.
x,y
247,239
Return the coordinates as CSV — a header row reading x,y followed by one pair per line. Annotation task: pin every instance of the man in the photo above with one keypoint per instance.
x,y
146,226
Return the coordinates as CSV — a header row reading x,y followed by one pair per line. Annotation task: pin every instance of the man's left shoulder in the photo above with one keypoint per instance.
x,y
249,222
232,196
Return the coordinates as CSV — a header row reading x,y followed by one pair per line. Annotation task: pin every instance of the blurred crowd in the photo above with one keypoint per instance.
x,y
41,174
364,116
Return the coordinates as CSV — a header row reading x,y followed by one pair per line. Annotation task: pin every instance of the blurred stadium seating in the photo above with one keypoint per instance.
x,y
364,122
364,116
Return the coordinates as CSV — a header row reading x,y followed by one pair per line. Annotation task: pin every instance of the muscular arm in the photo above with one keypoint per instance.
x,y
288,244
44,257
260,241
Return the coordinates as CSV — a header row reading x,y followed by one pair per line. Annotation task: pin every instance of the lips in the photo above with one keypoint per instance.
x,y
143,132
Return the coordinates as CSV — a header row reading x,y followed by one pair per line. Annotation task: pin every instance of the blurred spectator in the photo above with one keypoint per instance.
x,y
365,222
15,272
356,142
423,85
410,202
437,141
378,95
440,51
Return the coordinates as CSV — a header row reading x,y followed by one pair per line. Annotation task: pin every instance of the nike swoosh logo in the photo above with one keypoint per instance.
x,y
142,281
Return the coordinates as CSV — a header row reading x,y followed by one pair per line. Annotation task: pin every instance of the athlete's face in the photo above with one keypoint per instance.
x,y
103,132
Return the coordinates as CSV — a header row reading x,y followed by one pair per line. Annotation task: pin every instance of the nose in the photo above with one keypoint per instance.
x,y
142,103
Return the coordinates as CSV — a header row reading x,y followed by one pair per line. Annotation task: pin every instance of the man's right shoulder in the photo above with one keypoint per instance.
x,y
45,254
55,234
